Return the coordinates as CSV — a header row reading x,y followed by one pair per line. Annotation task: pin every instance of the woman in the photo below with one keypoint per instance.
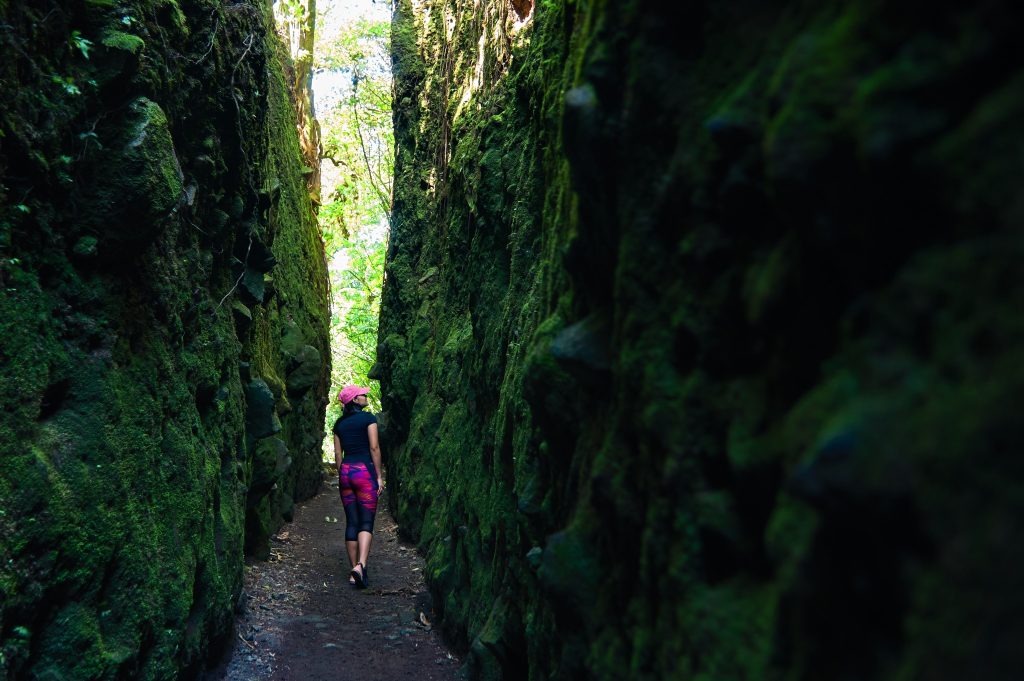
x,y
360,481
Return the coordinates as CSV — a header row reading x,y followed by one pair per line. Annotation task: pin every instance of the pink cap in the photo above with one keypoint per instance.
x,y
350,392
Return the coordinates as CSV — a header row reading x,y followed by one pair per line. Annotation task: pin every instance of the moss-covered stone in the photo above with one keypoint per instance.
x,y
261,418
698,338
129,203
305,371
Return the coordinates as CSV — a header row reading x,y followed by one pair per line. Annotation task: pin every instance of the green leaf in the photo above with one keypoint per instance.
x,y
81,43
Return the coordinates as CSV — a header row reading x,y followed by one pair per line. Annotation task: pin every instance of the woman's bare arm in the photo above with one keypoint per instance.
x,y
371,432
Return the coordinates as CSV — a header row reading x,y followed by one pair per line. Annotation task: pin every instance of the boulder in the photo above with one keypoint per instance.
x,y
270,460
307,370
260,417
144,182
254,284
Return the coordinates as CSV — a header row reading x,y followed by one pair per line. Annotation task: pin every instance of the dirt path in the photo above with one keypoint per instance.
x,y
302,620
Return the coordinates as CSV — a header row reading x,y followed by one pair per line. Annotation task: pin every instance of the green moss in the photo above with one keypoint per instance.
x,y
785,358
74,650
123,504
29,350
126,42
988,140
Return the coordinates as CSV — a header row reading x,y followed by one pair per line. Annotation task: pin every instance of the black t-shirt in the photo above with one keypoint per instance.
x,y
351,430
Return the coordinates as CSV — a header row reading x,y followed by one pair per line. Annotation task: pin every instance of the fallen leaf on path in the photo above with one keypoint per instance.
x,y
424,620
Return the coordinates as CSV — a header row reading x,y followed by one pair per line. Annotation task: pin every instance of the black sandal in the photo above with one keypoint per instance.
x,y
359,575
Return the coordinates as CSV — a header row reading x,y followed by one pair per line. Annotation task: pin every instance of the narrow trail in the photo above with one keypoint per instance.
x,y
302,619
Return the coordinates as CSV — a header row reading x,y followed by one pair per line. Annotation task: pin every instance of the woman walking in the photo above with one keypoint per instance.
x,y
360,482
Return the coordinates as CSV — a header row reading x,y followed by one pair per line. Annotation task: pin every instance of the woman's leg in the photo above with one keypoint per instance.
x,y
364,542
364,482
348,500
352,547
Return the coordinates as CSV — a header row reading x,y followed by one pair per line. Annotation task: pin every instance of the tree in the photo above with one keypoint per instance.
x,y
358,138
296,20
358,145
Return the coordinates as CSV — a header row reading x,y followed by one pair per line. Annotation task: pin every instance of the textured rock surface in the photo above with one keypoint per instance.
x,y
701,345
157,245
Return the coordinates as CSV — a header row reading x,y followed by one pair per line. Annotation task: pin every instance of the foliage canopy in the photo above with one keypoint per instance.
x,y
358,154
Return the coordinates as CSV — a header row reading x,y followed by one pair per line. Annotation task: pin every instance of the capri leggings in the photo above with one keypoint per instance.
x,y
358,486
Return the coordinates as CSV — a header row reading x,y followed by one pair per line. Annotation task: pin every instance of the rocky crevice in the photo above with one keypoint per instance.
x,y
698,344
164,321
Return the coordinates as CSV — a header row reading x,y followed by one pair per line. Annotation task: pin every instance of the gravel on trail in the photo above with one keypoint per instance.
x,y
300,618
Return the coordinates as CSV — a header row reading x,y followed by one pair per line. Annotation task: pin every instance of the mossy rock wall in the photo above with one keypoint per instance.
x,y
163,329
701,345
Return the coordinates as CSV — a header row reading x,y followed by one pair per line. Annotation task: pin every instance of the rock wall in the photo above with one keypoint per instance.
x,y
163,316
700,345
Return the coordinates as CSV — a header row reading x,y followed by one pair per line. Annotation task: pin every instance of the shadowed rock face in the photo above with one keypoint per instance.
x,y
701,344
163,316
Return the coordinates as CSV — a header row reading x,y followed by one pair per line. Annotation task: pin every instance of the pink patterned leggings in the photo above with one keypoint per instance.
x,y
358,486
